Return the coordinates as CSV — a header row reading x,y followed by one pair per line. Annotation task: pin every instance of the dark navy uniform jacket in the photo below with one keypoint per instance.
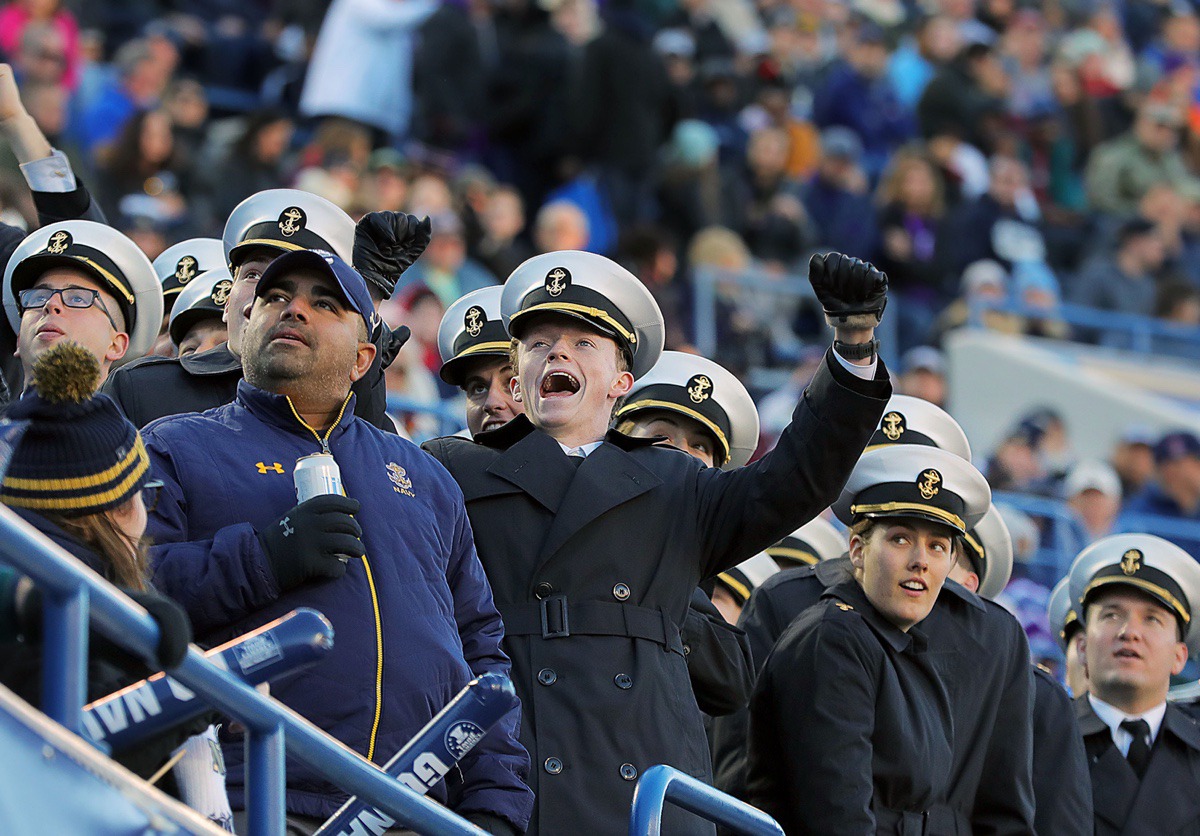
x,y
850,724
414,620
983,656
593,563
1166,800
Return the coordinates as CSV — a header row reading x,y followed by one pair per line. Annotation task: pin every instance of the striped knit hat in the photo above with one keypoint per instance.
x,y
79,455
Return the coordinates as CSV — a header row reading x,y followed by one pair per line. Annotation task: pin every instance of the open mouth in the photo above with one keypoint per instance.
x,y
915,586
559,383
1125,653
50,331
288,336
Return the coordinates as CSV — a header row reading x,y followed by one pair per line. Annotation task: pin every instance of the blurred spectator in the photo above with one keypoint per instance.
x,y
923,375
741,339
18,17
621,105
837,201
444,267
1121,170
1178,43
454,51
429,194
1035,286
187,104
967,95
1175,493
1016,464
143,69
385,187
409,378
255,162
1024,55
502,248
1133,459
40,56
913,65
1093,490
677,49
1053,442
692,186
1003,224
984,280
1123,281
764,204
697,18
649,253
773,108
961,166
912,208
560,226
145,160
1023,530
858,94
361,66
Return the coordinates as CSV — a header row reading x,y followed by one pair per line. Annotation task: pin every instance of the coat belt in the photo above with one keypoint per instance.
x,y
938,820
553,618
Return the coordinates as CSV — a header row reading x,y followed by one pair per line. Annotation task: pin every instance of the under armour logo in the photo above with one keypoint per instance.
x,y
275,467
287,529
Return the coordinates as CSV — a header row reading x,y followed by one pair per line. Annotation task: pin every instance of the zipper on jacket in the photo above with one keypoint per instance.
x,y
324,442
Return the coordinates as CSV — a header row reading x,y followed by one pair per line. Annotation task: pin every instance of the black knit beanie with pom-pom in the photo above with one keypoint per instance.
x,y
79,455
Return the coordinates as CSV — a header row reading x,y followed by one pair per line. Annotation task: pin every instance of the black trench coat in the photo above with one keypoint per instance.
x,y
1166,802
592,566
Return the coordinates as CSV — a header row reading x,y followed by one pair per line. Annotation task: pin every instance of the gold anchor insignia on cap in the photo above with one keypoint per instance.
x,y
699,388
1131,561
928,483
893,426
291,221
557,281
59,242
474,320
185,270
220,292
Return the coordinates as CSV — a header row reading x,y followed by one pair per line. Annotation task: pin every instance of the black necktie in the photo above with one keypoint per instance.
x,y
1139,749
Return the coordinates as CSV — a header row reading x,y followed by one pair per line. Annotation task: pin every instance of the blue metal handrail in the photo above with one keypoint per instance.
x,y
1067,535
449,417
1141,330
70,590
660,784
1169,528
792,286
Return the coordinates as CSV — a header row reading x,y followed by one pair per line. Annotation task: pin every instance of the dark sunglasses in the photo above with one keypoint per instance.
x,y
73,297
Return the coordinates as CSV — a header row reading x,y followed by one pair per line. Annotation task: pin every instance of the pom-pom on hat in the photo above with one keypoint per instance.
x,y
79,455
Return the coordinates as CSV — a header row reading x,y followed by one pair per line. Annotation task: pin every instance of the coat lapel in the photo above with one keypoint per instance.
x,y
536,465
607,478
1114,783
1170,793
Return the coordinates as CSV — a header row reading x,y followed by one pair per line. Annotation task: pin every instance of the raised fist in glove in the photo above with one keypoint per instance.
x,y
312,540
852,292
386,244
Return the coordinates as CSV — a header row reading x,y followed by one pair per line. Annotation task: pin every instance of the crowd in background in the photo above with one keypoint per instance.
x,y
1039,153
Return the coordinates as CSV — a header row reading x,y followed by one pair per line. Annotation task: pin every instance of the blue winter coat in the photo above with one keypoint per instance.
x,y
413,621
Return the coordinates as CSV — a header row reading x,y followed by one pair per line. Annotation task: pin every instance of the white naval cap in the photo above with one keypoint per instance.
x,y
815,541
704,391
203,298
287,219
912,480
748,576
471,328
990,548
1062,613
1154,566
591,288
909,420
176,266
105,255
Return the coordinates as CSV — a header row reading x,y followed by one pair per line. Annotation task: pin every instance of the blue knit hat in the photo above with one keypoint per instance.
x,y
79,455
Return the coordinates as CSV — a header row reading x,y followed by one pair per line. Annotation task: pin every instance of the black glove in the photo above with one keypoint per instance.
x,y
174,629
312,540
388,342
852,292
386,244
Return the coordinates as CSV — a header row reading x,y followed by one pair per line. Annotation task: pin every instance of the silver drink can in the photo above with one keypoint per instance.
x,y
317,475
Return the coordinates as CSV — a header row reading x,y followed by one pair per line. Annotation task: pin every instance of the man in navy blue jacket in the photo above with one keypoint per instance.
x,y
392,564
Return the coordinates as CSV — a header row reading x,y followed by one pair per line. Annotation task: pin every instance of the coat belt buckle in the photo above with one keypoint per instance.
x,y
554,617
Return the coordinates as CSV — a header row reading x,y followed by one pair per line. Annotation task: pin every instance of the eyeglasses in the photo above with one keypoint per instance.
x,y
151,491
73,297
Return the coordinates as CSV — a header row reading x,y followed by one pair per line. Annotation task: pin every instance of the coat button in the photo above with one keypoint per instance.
x,y
628,772
553,766
621,592
546,676
543,589
623,681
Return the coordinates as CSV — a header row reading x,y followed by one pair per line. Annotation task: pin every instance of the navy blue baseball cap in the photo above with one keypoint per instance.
x,y
1176,445
349,280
